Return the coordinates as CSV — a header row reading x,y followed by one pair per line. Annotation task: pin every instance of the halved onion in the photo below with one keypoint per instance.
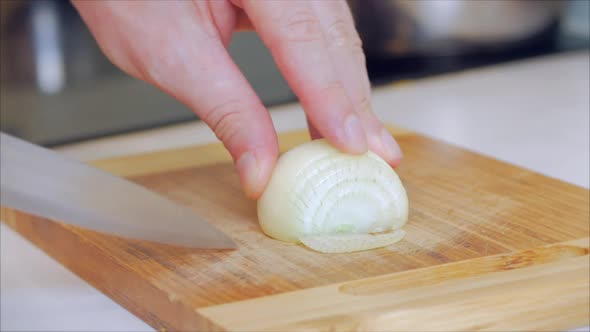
x,y
317,194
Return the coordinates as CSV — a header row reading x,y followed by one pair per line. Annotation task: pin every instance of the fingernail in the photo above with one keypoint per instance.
x,y
355,135
249,171
391,147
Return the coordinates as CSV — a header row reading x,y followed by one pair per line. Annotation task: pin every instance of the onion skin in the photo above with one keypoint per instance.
x,y
317,190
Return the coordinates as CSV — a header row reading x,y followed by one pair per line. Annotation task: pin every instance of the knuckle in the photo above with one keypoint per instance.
x,y
331,89
361,58
357,42
358,51
364,104
339,33
302,26
224,119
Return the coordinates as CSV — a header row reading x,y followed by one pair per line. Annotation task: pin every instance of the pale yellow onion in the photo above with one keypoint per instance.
x,y
341,243
316,190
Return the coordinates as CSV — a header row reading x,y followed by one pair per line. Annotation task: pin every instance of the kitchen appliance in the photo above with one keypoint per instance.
x,y
47,185
488,246
407,40
453,27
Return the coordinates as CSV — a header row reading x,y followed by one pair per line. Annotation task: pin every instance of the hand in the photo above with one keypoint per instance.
x,y
180,47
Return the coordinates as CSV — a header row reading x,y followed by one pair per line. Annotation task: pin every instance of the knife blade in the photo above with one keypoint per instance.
x,y
43,183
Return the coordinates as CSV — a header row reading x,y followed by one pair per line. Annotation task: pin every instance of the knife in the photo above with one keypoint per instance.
x,y
43,183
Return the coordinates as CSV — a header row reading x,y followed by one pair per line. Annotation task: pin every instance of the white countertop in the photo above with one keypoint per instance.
x,y
534,113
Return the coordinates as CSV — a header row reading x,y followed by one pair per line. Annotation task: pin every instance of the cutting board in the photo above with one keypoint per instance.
x,y
489,246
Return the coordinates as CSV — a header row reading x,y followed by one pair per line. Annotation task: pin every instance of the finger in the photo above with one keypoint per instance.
x,y
243,22
223,16
292,32
185,57
313,132
211,84
227,103
347,56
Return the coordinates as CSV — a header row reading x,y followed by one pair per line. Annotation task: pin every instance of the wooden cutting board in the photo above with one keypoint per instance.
x,y
489,246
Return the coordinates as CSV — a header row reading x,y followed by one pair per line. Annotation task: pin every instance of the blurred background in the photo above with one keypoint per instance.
x,y
57,87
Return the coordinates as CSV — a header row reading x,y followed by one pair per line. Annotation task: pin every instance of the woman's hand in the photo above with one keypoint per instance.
x,y
180,47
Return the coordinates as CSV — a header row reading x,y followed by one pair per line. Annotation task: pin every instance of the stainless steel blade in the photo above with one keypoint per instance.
x,y
41,182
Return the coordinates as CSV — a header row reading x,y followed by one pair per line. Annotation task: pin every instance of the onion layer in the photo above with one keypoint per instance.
x,y
341,243
317,191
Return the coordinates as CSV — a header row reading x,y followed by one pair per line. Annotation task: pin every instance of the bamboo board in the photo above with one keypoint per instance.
x,y
489,246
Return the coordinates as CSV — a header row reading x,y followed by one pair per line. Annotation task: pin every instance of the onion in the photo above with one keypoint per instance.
x,y
333,201
340,243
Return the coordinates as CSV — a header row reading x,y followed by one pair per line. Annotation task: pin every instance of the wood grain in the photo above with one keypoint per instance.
x,y
462,206
487,293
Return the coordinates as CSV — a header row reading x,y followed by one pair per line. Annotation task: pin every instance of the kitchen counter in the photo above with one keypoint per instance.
x,y
533,113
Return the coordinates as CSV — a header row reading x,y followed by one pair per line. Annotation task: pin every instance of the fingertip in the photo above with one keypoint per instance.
x,y
255,169
396,161
349,136
385,146
313,131
355,139
392,152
